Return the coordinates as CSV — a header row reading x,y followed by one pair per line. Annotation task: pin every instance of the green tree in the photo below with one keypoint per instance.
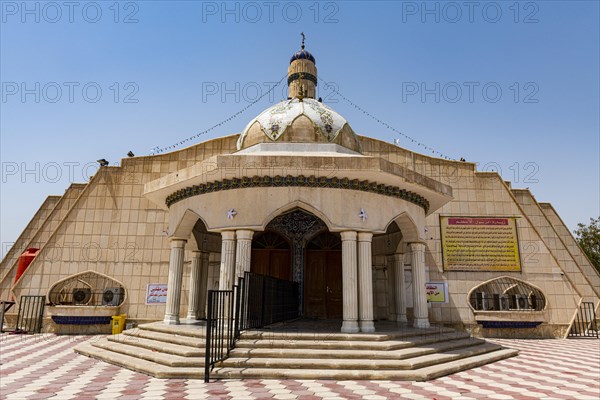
x,y
588,237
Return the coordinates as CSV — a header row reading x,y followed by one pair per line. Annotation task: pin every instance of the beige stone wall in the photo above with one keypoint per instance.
x,y
11,258
48,225
556,246
568,240
113,229
485,194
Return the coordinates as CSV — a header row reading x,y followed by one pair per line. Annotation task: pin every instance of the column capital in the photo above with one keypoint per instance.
x,y
244,234
228,235
178,242
417,246
365,236
348,235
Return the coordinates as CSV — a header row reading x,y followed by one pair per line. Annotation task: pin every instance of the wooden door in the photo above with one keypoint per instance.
x,y
314,285
280,264
323,284
260,261
272,262
333,282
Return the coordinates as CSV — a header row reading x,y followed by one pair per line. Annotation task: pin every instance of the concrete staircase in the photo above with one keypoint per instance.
x,y
286,352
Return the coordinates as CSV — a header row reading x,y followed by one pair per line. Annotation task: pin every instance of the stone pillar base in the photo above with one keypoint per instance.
x,y
350,327
171,320
367,326
421,323
401,318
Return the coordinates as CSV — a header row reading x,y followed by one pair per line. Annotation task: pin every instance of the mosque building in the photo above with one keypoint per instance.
x,y
367,230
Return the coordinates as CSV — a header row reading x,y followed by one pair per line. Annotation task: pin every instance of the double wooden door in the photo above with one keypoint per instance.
x,y
272,262
323,284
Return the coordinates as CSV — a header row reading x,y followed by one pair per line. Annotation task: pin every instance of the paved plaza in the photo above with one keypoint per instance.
x,y
45,366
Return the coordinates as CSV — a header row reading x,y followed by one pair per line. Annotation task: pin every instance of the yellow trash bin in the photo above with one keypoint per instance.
x,y
118,323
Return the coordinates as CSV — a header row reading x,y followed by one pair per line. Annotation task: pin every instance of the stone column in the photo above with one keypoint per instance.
x,y
203,286
398,265
365,281
349,282
194,289
174,282
227,272
419,295
243,252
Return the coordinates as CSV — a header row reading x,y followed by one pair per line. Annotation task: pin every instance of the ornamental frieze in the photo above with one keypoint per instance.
x,y
298,181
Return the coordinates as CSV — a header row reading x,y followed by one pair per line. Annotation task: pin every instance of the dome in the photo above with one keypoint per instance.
x,y
302,55
299,121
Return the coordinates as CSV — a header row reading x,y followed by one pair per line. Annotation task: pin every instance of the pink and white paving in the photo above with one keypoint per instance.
x,y
45,366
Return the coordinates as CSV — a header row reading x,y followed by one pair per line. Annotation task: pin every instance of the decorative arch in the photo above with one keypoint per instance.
x,y
297,205
185,224
408,227
506,293
88,288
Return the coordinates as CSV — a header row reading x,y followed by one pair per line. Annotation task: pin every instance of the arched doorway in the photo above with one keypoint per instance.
x,y
271,256
323,277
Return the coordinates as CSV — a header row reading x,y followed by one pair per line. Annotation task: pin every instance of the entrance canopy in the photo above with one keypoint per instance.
x,y
346,191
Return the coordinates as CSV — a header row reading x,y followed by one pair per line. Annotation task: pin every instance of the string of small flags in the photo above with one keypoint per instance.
x,y
157,150
433,151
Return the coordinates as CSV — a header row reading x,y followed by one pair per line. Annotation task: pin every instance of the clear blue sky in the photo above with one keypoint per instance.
x,y
172,56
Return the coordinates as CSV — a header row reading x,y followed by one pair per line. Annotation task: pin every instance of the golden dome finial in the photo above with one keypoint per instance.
x,y
303,38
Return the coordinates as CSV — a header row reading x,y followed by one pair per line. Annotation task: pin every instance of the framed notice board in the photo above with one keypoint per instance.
x,y
480,244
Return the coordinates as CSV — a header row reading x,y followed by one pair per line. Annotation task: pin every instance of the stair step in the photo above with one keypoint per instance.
x,y
138,364
163,347
181,340
354,353
195,331
420,374
157,357
281,333
389,364
351,345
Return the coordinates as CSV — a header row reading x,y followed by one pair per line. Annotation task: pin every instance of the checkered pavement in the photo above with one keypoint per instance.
x,y
45,366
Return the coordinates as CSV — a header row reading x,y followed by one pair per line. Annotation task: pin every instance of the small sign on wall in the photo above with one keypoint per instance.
x,y
156,293
437,292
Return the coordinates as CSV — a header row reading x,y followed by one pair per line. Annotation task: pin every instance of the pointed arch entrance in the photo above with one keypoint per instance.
x,y
285,239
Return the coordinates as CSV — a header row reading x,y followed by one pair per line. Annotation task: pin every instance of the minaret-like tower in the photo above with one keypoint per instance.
x,y
302,75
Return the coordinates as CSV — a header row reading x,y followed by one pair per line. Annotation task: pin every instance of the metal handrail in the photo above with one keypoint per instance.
x,y
256,301
585,321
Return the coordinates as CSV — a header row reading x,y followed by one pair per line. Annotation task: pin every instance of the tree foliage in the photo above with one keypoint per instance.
x,y
588,237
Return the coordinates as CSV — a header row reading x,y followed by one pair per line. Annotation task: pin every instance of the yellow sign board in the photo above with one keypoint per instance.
x,y
480,244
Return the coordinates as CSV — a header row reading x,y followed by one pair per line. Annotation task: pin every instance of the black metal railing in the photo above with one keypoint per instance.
x,y
504,302
31,314
220,329
269,300
585,322
256,301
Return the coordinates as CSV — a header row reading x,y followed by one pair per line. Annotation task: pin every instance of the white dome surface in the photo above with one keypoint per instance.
x,y
276,119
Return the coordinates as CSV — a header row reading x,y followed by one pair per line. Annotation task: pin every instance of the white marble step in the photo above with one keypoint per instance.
x,y
421,374
355,353
157,357
350,345
389,364
139,364
159,346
